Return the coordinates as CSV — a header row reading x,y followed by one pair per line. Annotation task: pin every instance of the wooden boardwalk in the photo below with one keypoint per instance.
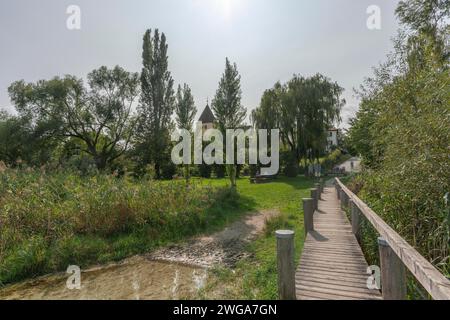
x,y
332,265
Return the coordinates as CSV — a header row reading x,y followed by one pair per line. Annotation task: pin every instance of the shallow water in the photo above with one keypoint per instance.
x,y
133,279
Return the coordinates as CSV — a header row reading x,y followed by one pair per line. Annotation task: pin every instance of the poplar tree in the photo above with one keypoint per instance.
x,y
157,102
227,107
185,111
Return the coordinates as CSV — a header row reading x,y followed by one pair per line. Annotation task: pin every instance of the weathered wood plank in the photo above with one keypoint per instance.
x,y
332,265
339,292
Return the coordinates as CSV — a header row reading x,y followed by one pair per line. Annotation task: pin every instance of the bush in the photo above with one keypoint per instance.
x,y
334,158
253,169
402,131
204,170
289,164
219,170
168,170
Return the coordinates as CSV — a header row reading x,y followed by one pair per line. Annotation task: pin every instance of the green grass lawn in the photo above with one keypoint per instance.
x,y
256,277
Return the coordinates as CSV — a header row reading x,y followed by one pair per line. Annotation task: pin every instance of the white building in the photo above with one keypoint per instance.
x,y
332,138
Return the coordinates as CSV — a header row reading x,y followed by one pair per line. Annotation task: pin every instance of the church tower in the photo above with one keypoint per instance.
x,y
207,118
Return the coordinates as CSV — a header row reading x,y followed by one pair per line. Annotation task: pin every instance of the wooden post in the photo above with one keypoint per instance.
x,y
342,198
393,275
315,197
285,264
319,191
308,215
338,191
347,201
356,222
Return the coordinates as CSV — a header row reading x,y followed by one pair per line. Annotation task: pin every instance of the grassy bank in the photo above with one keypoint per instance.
x,y
256,277
49,221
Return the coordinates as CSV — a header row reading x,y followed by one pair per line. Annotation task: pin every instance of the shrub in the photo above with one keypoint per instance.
x,y
253,168
219,170
204,170
168,170
289,164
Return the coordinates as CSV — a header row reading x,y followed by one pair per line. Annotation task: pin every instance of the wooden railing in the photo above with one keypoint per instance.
x,y
395,253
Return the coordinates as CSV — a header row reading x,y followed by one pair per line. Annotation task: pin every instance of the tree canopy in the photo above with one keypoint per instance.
x,y
303,109
99,115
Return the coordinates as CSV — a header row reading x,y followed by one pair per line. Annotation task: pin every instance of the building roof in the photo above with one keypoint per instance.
x,y
207,115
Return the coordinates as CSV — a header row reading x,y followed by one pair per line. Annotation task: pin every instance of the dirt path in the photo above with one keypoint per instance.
x,y
222,248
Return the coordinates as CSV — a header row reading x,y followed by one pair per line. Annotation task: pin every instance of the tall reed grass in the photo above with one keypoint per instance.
x,y
51,220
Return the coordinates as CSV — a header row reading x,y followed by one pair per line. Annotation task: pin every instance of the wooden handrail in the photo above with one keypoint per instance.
x,y
436,284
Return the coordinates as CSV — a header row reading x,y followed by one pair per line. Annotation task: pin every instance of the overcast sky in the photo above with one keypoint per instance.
x,y
270,40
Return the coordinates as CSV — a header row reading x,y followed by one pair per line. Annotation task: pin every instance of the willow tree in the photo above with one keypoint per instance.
x,y
227,107
303,109
185,111
157,102
99,118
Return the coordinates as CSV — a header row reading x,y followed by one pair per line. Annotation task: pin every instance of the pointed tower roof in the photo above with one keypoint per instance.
x,y
207,115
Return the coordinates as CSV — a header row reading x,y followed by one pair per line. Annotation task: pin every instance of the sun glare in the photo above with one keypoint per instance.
x,y
224,8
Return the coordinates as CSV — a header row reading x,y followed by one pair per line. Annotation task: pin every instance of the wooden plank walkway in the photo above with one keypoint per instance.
x,y
332,265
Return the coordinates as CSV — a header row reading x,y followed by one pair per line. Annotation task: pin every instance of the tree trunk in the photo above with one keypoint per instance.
x,y
187,173
100,162
232,174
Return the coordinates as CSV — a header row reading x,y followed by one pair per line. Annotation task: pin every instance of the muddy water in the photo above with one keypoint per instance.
x,y
135,278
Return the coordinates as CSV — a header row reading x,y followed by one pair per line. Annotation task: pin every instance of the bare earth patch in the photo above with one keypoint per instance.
x,y
223,248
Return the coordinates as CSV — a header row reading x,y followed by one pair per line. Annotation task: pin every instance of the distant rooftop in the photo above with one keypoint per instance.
x,y
207,115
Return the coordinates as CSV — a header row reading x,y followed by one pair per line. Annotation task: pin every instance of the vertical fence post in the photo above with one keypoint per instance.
x,y
322,184
319,191
285,264
347,201
308,215
314,196
342,198
393,275
338,191
356,221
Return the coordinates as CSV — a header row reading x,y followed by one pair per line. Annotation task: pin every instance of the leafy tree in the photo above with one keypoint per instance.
x,y
424,16
303,109
227,107
185,111
157,102
101,116
15,139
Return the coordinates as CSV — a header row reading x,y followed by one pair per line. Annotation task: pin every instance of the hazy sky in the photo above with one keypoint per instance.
x,y
270,40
